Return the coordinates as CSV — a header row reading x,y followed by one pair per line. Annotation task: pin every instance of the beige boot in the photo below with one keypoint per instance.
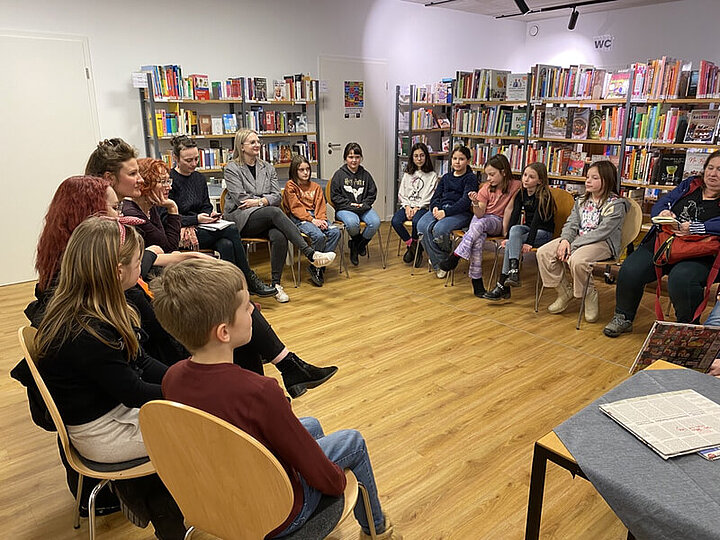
x,y
564,292
388,534
592,310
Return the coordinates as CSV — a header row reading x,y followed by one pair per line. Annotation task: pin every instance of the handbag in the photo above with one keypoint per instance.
x,y
671,248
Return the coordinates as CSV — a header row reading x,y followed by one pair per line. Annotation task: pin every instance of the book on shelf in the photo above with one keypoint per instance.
x,y
201,86
595,123
619,85
580,123
667,169
445,143
576,163
518,123
517,86
694,162
701,126
229,123
216,123
281,90
556,122
205,124
498,84
442,120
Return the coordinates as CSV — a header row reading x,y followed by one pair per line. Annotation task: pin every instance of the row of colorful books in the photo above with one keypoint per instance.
x,y
276,121
567,159
406,143
581,123
429,119
490,85
292,87
437,93
209,158
189,122
481,152
500,120
643,166
661,123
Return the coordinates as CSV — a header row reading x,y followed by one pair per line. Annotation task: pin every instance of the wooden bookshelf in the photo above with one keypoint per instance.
x,y
578,141
679,146
488,136
646,186
488,103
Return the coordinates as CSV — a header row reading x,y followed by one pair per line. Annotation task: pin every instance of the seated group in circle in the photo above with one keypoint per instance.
x,y
92,303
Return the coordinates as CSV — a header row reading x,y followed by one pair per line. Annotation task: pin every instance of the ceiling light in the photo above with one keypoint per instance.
x,y
573,19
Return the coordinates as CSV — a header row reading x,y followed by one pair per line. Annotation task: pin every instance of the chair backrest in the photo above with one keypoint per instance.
x,y
224,481
328,201
632,224
223,196
26,335
564,202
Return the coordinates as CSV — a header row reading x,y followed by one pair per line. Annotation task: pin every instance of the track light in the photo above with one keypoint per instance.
x,y
573,19
522,6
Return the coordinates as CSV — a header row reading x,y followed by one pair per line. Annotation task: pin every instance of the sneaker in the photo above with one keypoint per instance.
x,y
321,258
618,325
440,273
315,275
281,296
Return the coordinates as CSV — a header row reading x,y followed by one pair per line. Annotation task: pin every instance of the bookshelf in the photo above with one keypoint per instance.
x,y
285,125
422,114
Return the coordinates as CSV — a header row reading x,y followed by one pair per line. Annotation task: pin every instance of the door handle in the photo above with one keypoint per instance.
x,y
332,146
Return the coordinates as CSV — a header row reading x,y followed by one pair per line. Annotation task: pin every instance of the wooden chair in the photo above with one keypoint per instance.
x,y
104,472
328,200
225,482
298,281
249,241
564,202
408,225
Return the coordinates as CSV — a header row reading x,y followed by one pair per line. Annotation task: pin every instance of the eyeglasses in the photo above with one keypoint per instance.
x,y
166,182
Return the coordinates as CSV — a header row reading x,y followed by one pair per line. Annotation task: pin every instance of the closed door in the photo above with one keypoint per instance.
x,y
369,130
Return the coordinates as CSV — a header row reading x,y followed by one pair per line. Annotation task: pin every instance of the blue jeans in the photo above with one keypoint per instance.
x,y
346,448
714,317
352,222
436,234
400,217
320,240
516,238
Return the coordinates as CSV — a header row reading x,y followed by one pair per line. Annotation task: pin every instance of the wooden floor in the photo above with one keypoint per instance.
x,y
450,392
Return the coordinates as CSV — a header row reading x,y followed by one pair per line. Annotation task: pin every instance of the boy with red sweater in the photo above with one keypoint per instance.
x,y
205,305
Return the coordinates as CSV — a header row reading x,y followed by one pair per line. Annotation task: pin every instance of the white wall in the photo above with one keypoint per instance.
x,y
685,29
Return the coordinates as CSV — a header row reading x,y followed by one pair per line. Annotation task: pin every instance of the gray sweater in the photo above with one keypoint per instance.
x,y
609,229
242,186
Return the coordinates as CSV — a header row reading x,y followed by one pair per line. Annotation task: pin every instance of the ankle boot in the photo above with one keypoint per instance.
x,y
513,276
299,376
592,309
450,263
478,287
500,292
565,294
362,245
353,245
257,286
409,256
419,256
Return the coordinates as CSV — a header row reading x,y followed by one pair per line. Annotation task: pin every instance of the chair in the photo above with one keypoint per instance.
x,y
104,472
328,200
564,202
252,240
408,225
298,281
225,482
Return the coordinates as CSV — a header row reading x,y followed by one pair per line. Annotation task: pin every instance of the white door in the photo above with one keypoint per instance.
x,y
370,130
50,126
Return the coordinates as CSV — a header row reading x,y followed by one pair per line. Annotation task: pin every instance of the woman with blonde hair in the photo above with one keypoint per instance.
x,y
254,205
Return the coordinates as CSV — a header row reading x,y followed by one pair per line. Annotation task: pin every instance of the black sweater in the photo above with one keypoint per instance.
x,y
87,378
190,193
347,187
528,204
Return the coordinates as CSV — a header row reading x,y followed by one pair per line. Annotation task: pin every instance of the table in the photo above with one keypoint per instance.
x,y
551,448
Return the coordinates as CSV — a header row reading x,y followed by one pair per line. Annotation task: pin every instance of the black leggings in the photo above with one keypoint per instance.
x,y
227,243
270,222
686,282
264,346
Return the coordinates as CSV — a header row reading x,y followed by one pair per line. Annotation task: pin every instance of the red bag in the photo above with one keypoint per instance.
x,y
671,248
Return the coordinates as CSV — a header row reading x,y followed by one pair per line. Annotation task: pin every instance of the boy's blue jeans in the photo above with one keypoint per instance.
x,y
346,448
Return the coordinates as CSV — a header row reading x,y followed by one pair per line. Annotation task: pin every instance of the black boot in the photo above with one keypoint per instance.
x,y
362,244
353,245
257,287
450,263
513,276
500,292
298,376
315,275
409,256
419,256
322,273
478,287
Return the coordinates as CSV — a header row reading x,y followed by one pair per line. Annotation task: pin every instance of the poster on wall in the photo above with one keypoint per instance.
x,y
354,95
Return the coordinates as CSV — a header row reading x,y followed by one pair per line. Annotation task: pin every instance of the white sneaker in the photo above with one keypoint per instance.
x,y
281,296
321,258
440,273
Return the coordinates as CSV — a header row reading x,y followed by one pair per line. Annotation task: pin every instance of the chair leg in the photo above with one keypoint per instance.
x,y
387,241
582,301
382,252
494,267
415,258
78,496
299,275
538,291
368,510
91,507
189,532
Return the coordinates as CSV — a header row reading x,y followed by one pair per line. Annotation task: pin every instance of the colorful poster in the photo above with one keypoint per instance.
x,y
354,96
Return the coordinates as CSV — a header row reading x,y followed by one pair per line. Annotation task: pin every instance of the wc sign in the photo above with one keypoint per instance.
x,y
603,43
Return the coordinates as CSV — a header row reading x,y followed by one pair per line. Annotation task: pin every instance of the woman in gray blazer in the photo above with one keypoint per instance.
x,y
254,205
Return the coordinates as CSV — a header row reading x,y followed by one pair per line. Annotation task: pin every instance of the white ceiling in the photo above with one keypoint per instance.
x,y
493,8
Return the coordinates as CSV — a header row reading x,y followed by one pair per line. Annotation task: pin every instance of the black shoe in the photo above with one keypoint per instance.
x,y
450,263
353,245
478,287
498,293
409,256
299,376
257,287
99,510
513,275
419,256
362,246
315,275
